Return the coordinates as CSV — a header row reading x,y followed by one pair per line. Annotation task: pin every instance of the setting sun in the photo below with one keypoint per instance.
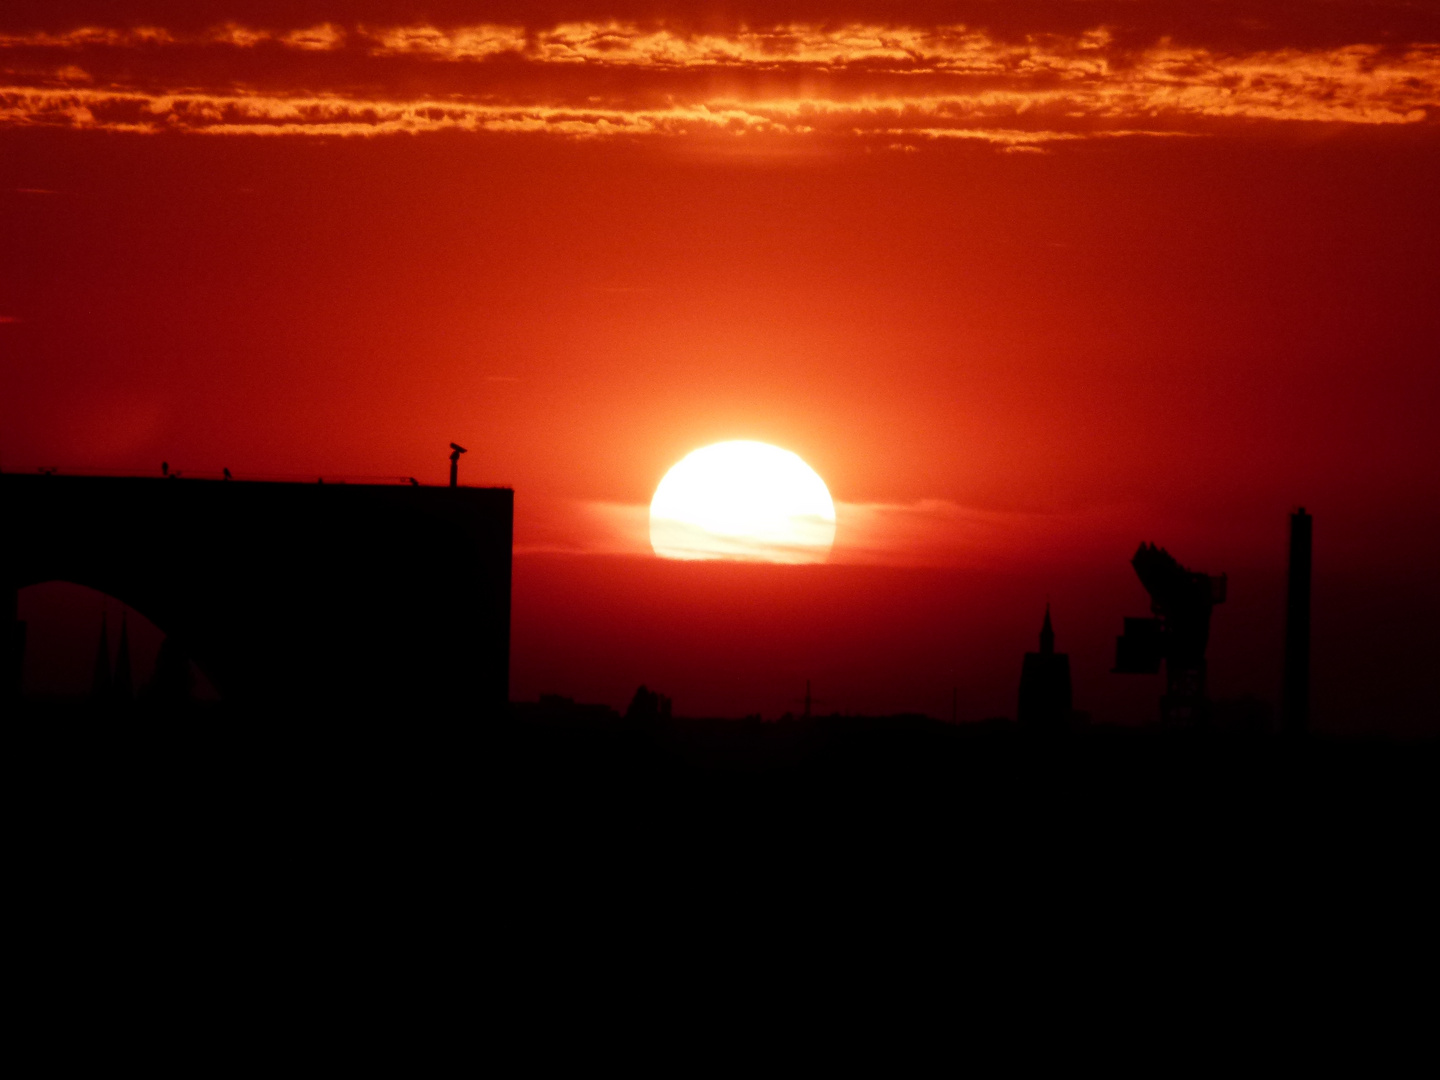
x,y
742,500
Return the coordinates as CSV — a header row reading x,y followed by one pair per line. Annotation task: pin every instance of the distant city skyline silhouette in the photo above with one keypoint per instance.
x,y
1175,637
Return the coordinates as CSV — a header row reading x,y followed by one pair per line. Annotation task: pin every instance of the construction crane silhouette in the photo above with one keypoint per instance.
x,y
455,451
1181,601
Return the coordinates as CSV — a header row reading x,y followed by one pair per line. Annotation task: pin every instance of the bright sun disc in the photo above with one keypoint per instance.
x,y
742,500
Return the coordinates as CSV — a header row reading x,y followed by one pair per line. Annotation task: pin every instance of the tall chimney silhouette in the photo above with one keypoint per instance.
x,y
1295,692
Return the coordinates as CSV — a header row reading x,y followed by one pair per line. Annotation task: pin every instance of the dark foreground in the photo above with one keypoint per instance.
x,y
550,796
521,870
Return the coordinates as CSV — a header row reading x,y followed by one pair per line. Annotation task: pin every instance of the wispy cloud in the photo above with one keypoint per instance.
x,y
321,38
924,533
582,527
466,43
90,36
335,114
896,85
939,532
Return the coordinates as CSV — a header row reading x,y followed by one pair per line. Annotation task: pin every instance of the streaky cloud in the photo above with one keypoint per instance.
x,y
896,85
924,533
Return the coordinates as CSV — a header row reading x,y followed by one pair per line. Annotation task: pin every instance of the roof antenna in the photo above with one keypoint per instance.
x,y
455,451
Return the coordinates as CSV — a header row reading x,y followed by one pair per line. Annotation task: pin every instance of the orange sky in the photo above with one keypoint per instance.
x,y
1025,283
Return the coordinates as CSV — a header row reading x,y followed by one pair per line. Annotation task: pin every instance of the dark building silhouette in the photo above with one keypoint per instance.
x,y
123,684
1045,683
100,683
1295,691
557,708
341,601
1181,601
171,687
647,706
13,677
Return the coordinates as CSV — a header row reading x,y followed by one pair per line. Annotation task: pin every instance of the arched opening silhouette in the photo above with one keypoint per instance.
x,y
84,648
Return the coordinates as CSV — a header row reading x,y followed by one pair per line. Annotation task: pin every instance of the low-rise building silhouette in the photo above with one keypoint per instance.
x,y
123,683
647,706
101,683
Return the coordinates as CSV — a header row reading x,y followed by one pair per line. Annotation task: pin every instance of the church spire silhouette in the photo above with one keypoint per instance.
x,y
1045,683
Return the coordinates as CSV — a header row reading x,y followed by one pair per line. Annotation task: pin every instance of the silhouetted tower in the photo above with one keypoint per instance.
x,y
1295,692
100,684
808,701
1181,600
123,688
1045,683
455,451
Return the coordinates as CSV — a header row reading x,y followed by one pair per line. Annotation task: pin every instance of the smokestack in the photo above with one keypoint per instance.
x,y
1295,693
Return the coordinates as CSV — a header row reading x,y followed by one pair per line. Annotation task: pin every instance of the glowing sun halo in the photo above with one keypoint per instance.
x,y
742,500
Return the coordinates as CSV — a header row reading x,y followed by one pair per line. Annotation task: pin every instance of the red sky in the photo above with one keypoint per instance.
x,y
1025,283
